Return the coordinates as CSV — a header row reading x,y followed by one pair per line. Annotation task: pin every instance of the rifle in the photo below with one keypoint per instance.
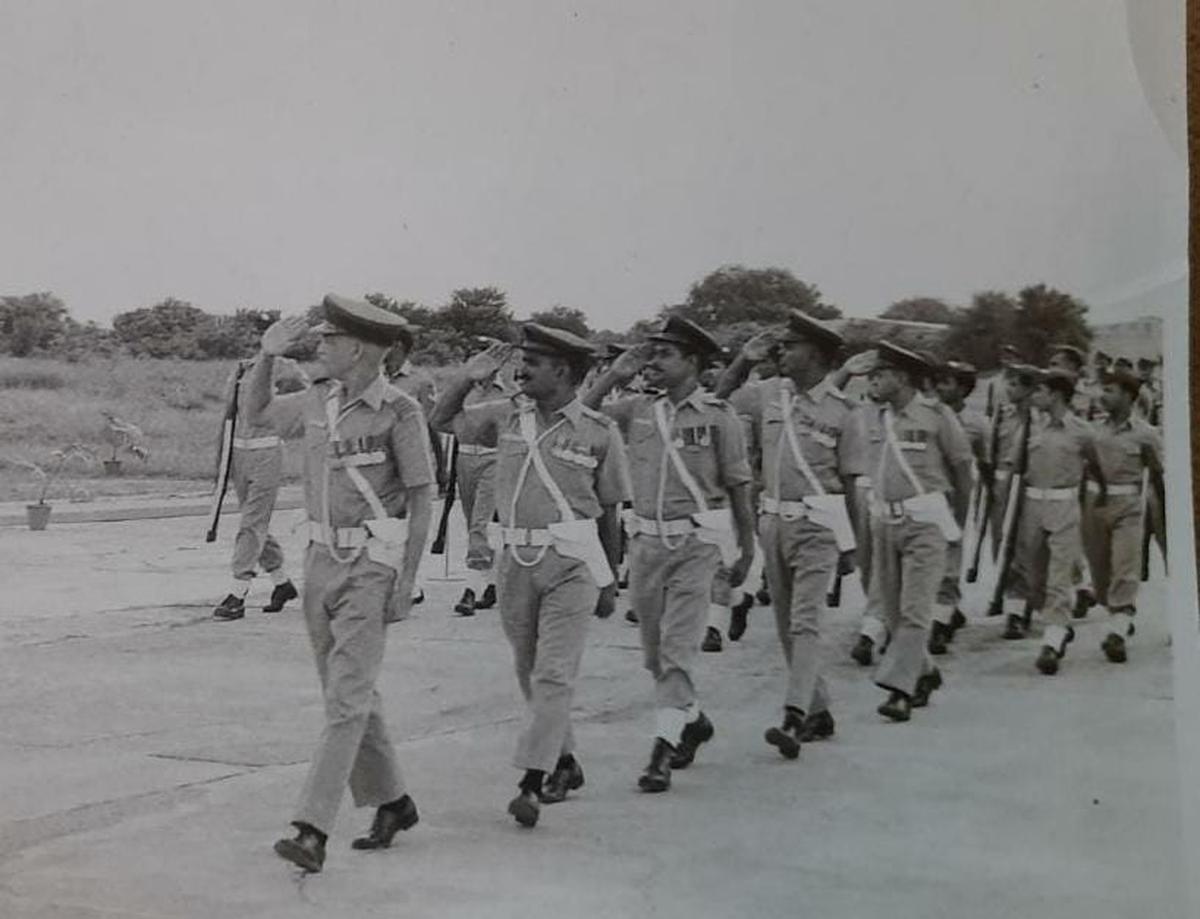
x,y
982,521
833,599
1012,514
225,461
1149,521
439,541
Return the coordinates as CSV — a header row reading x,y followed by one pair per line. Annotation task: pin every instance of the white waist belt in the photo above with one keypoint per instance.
x,y
344,537
895,510
1052,494
520,536
256,443
863,482
789,510
1132,489
650,527
475,450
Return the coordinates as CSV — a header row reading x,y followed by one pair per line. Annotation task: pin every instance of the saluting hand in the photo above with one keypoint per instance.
x,y
759,347
284,335
487,363
860,364
630,364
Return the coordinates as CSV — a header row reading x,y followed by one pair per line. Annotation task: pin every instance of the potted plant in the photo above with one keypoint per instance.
x,y
121,436
38,514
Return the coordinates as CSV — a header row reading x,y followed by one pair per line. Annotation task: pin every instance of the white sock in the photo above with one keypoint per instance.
x,y
240,587
279,576
1119,624
942,613
874,629
715,616
669,724
1014,606
417,590
475,581
1055,636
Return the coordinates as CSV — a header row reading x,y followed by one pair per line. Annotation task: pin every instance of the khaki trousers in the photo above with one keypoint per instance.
x,y
256,475
476,486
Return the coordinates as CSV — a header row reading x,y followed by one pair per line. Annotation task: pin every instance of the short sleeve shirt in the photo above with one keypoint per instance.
x,y
932,442
1121,447
707,437
381,433
582,452
418,384
828,432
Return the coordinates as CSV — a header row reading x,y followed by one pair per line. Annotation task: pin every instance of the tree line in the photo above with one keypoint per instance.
x,y
733,302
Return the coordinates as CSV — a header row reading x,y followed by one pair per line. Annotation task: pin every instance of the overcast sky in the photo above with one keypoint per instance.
x,y
602,155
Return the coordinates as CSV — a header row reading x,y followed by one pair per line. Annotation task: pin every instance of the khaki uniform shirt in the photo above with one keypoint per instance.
x,y
979,433
932,441
1056,452
708,438
1121,446
583,454
827,427
418,384
381,433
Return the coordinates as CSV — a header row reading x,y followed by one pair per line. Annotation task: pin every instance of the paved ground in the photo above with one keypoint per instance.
x,y
150,756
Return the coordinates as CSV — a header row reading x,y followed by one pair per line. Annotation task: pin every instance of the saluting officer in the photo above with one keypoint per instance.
x,y
689,467
368,489
1130,454
1060,445
560,478
955,381
807,434
922,487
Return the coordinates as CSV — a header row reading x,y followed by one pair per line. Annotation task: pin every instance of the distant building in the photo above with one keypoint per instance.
x,y
1134,339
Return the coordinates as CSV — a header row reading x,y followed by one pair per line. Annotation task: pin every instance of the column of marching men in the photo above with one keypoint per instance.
x,y
772,466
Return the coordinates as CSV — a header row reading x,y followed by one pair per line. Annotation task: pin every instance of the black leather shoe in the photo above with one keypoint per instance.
x,y
786,739
763,596
565,777
695,732
1014,628
466,605
306,851
525,808
657,775
488,600
1084,601
230,608
957,621
817,726
623,581
1047,661
631,617
712,640
280,595
419,598
864,650
389,820
738,617
898,707
939,638
1113,647
926,684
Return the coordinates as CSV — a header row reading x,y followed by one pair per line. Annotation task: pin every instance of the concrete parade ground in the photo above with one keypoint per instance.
x,y
150,756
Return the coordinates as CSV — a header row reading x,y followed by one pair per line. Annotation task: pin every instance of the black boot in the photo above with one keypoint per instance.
x,y
817,726
695,732
1113,647
631,616
864,650
466,605
898,706
1085,599
567,776
1014,627
280,595
926,684
957,621
939,637
712,640
525,807
786,739
657,774
232,607
306,850
390,818
488,600
738,616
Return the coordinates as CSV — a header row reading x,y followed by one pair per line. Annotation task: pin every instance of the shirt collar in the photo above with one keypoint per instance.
x,y
372,396
572,411
823,388
405,369
695,399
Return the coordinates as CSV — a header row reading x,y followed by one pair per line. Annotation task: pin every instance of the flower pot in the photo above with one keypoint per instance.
x,y
38,514
112,467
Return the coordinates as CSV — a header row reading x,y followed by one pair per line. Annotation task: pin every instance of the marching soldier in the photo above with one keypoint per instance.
x,y
955,381
560,477
922,487
1130,456
256,468
369,484
1149,400
1019,381
805,430
1059,446
689,467
872,632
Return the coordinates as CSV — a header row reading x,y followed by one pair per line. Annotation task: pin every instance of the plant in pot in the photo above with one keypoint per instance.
x,y
38,514
122,436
